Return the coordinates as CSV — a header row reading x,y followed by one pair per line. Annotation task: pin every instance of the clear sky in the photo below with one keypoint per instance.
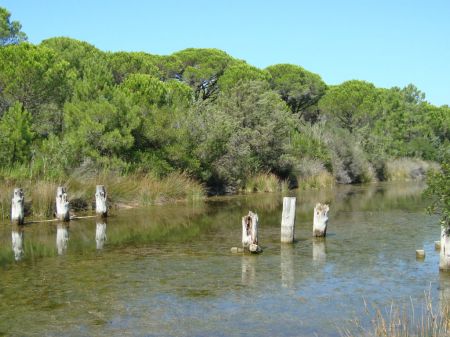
x,y
386,42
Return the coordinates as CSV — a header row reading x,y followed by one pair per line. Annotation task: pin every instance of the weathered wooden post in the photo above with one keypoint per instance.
x,y
18,207
319,250
62,237
320,220
100,234
420,254
250,232
17,242
287,266
62,204
101,207
444,256
288,220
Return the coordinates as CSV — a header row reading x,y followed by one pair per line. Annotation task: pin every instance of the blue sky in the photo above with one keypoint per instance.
x,y
388,43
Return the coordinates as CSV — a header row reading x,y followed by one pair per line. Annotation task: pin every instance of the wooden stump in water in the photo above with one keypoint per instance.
x,y
17,242
62,204
101,207
250,232
420,254
320,220
100,234
62,238
288,220
444,256
18,207
437,245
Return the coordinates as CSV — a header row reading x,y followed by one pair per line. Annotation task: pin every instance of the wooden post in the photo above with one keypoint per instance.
x,y
288,220
320,220
101,208
62,204
444,256
62,237
100,234
250,232
17,242
18,207
420,254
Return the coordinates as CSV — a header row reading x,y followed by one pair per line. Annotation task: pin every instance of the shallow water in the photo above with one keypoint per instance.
x,y
168,270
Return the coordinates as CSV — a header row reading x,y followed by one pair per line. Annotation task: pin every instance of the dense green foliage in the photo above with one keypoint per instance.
x,y
439,190
10,32
67,107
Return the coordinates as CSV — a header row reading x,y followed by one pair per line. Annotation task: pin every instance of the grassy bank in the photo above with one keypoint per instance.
x,y
123,191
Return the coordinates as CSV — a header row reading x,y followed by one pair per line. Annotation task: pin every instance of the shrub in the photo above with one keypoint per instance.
x,y
404,169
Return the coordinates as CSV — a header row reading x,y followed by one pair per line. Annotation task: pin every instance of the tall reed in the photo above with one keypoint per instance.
x,y
264,182
398,321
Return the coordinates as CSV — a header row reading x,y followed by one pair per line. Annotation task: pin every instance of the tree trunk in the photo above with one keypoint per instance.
x,y
288,220
250,232
100,234
101,207
62,204
17,207
444,256
320,220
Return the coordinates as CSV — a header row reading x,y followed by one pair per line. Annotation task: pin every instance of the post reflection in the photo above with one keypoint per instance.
x,y
287,265
319,250
17,242
248,270
62,238
100,234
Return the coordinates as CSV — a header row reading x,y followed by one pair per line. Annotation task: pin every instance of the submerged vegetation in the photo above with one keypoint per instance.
x,y
199,120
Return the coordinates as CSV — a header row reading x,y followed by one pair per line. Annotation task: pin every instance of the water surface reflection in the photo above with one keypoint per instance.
x,y
172,263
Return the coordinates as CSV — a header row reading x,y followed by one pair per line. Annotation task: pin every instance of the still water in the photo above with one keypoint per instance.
x,y
168,270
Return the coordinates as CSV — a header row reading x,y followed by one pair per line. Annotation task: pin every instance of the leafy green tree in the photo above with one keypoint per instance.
x,y
238,72
33,76
124,64
10,31
90,69
17,135
439,191
245,133
201,69
353,104
299,88
101,130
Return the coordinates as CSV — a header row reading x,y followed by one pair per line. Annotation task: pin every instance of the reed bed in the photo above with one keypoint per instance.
x,y
405,169
321,179
396,321
265,182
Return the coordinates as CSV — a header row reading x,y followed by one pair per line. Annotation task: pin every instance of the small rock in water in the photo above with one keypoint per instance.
x,y
237,250
254,248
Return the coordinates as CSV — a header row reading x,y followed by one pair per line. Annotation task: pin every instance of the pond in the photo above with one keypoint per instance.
x,y
168,270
